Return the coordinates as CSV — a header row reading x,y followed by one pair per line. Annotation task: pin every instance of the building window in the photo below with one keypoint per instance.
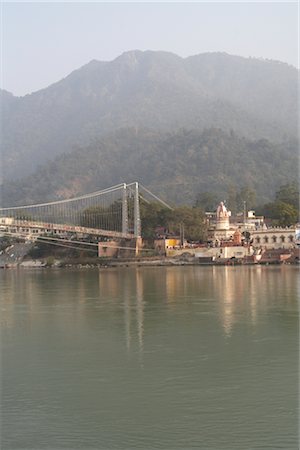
x,y
266,239
282,238
291,238
258,240
274,239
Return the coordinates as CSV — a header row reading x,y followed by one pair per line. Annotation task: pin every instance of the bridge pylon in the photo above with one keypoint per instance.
x,y
124,210
137,218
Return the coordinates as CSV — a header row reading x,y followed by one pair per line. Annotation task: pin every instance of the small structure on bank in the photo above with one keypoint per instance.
x,y
222,229
165,245
237,237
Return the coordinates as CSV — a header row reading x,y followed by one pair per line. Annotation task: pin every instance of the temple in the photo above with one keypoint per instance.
x,y
222,230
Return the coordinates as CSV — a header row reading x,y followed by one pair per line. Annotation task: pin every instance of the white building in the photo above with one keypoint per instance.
x,y
223,230
273,238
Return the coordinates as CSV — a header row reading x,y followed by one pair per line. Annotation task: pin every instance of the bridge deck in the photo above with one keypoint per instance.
x,y
52,227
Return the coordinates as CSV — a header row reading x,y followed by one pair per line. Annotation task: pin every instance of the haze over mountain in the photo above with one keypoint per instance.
x,y
159,91
156,91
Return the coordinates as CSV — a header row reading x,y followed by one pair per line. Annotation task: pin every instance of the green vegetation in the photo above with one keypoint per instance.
x,y
153,216
177,166
284,210
289,193
185,219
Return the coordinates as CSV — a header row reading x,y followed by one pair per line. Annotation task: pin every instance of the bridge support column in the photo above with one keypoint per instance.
x,y
137,218
138,246
124,210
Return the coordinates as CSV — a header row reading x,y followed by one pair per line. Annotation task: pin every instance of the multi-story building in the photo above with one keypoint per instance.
x,y
273,238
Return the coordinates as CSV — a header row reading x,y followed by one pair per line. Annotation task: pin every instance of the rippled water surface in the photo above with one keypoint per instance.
x,y
150,358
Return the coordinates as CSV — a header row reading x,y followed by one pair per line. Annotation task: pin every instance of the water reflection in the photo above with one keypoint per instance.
x,y
126,288
140,308
150,357
234,292
127,318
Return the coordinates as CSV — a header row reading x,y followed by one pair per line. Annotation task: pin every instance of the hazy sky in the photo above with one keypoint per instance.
x,y
43,42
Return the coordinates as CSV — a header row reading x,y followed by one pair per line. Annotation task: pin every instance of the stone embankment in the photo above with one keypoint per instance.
x,y
15,256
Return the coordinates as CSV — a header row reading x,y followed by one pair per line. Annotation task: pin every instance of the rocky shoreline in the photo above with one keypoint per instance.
x,y
92,263
86,264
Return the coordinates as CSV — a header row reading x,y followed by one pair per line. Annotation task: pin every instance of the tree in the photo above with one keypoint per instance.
x,y
282,214
284,211
208,201
153,215
192,220
288,193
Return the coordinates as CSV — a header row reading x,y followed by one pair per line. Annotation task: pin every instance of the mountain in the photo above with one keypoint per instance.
x,y
174,165
161,91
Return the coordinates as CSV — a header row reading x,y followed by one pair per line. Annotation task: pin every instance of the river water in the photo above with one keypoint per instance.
x,y
150,358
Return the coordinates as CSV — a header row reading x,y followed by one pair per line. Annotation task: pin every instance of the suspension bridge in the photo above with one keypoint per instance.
x,y
111,213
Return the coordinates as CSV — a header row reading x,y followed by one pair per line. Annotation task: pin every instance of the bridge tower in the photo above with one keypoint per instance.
x,y
124,210
137,219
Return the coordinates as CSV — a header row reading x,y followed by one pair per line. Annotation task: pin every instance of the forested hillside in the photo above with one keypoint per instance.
x,y
251,98
175,165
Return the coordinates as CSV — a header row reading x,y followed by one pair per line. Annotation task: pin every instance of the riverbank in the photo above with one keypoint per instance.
x,y
100,263
86,262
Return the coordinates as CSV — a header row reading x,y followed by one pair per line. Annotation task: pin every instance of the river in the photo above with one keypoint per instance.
x,y
150,358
